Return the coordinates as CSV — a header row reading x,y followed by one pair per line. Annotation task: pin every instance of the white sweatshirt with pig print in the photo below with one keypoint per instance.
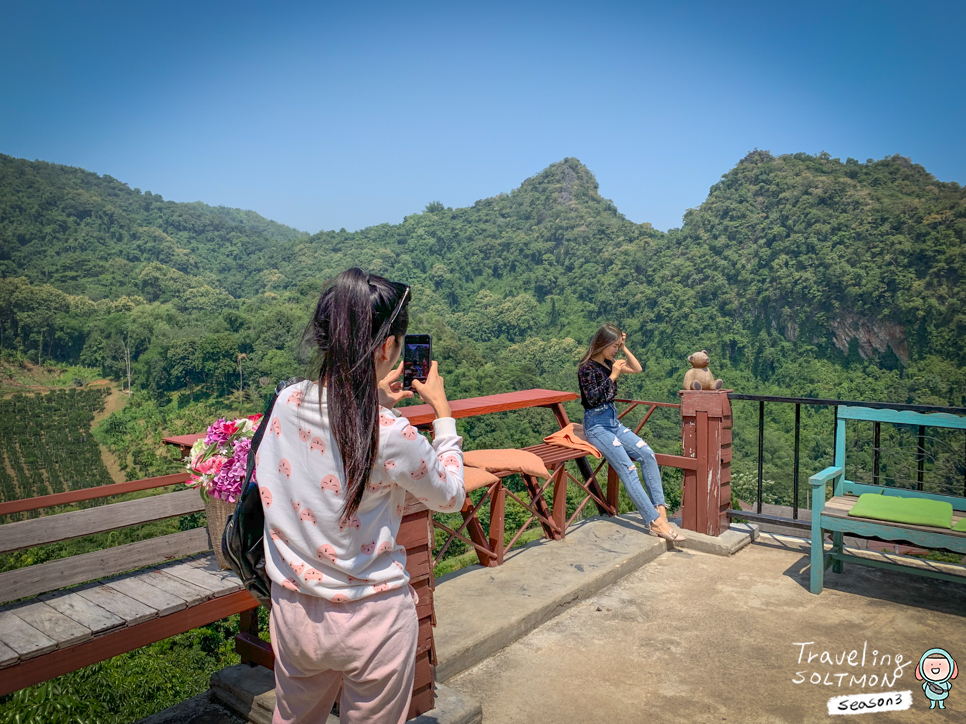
x,y
307,546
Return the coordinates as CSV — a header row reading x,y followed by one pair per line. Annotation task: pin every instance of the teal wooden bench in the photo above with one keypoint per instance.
x,y
833,515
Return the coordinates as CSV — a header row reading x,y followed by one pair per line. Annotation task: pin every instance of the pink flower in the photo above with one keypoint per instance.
x,y
226,447
229,428
211,466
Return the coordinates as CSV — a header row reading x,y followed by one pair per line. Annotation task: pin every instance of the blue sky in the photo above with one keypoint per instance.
x,y
327,115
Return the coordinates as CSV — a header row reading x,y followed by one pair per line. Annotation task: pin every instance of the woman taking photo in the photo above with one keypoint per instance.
x,y
333,471
598,375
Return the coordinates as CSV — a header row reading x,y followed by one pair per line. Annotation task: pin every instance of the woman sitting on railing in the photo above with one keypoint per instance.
x,y
598,374
333,471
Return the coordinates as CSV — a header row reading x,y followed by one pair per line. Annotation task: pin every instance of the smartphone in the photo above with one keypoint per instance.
x,y
417,358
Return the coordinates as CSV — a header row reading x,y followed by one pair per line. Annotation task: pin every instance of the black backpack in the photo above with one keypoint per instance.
x,y
243,541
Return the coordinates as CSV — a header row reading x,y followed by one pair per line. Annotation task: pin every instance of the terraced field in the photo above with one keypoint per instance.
x,y
46,445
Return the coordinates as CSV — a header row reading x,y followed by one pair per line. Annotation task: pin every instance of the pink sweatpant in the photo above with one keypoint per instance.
x,y
368,647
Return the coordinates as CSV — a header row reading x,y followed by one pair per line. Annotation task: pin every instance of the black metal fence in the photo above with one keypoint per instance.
x,y
885,467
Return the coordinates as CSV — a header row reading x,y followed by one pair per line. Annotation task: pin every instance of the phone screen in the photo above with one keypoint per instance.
x,y
417,358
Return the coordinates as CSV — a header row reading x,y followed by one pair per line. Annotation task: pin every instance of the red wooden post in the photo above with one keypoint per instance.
x,y
706,436
497,527
613,488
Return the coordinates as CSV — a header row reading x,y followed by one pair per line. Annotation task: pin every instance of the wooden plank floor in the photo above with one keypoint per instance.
x,y
65,618
840,506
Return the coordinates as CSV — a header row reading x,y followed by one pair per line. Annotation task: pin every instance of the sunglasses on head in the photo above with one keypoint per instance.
x,y
403,290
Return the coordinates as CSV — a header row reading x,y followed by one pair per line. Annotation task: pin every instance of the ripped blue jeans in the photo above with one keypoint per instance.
x,y
621,448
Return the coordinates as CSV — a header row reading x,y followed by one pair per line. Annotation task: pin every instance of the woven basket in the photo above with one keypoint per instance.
x,y
218,512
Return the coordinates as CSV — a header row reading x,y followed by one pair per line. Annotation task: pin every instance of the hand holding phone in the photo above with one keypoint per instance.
x,y
417,358
433,391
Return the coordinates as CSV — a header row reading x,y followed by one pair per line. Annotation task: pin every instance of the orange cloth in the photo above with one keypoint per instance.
x,y
510,460
573,437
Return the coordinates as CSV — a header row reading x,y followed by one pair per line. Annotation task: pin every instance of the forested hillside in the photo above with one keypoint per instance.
x,y
93,235
800,274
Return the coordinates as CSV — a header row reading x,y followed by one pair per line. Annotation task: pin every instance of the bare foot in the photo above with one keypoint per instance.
x,y
662,511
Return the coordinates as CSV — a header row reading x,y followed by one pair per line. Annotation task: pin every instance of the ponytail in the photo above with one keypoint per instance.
x,y
354,315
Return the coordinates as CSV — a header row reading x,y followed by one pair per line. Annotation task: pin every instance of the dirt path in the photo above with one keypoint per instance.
x,y
113,403
22,389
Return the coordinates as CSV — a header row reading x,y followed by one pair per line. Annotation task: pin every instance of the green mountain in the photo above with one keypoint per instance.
x,y
791,262
93,235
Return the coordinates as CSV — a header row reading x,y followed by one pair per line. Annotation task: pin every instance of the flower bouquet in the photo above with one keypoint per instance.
x,y
216,465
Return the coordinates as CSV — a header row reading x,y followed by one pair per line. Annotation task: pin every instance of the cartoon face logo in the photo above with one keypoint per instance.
x,y
450,460
449,504
369,548
400,509
275,426
420,472
284,468
386,420
297,567
353,522
330,482
296,505
295,398
409,432
307,515
353,579
936,670
386,547
373,487
326,551
291,584
304,434
380,587
340,598
317,444
398,565
390,465
277,535
266,495
441,475
313,575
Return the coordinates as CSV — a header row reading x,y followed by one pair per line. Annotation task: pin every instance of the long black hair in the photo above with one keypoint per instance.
x,y
356,313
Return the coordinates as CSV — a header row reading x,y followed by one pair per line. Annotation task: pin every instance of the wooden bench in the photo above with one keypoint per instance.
x,y
64,626
490,545
833,515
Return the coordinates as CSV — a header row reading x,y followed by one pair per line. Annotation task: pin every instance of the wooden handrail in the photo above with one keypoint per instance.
x,y
103,491
419,415
648,402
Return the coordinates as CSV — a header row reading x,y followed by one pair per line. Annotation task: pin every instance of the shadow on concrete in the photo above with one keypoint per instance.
x,y
907,589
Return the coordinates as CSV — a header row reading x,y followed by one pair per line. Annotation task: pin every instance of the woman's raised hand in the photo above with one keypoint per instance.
x,y
618,369
390,389
433,391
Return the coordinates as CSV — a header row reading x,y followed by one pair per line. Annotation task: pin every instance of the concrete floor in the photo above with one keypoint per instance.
x,y
691,637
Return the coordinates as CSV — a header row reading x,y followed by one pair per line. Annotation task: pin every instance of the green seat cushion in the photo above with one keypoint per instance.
x,y
915,511
961,525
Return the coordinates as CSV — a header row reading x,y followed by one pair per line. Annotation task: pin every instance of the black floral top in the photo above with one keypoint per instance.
x,y
596,386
